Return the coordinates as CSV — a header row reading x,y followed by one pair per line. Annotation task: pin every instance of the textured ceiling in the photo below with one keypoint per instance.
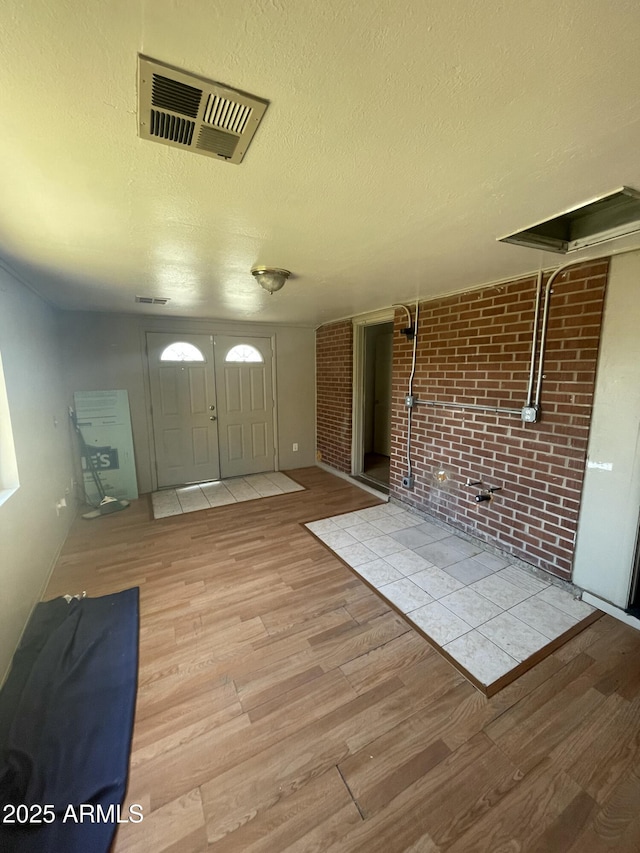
x,y
401,139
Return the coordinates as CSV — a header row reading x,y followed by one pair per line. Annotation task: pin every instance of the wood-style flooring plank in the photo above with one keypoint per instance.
x,y
312,817
180,823
283,707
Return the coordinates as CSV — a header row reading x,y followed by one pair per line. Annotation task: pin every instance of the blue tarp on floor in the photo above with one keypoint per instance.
x,y
66,721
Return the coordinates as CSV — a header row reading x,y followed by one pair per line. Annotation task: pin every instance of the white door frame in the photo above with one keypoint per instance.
x,y
375,318
196,329
248,339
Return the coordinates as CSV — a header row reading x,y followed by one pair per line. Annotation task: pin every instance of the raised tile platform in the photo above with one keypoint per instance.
x,y
493,620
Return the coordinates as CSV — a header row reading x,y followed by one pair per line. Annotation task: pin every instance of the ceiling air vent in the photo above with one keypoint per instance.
x,y
195,114
152,300
603,218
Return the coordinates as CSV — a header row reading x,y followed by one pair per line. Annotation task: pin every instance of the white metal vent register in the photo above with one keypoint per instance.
x,y
189,112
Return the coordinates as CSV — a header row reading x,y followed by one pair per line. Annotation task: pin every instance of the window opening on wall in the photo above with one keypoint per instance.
x,y
181,351
243,353
9,482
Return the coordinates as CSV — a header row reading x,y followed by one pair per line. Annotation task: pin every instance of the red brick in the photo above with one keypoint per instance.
x,y
474,348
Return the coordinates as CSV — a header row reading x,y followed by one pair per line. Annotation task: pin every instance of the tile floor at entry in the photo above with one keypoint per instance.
x,y
487,614
221,492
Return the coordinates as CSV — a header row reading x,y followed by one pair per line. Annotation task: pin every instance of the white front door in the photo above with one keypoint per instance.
x,y
245,404
183,400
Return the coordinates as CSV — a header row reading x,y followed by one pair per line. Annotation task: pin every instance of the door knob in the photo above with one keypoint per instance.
x,y
213,418
211,408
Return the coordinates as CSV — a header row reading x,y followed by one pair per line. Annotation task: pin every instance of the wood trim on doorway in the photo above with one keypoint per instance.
x,y
374,318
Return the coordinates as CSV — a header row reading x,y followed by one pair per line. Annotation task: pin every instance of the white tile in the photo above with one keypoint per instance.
x,y
468,605
411,538
405,594
545,618
432,530
167,512
409,519
337,539
491,561
191,499
214,488
263,486
255,480
513,636
284,482
166,500
564,600
522,578
500,591
349,519
436,582
480,657
242,491
468,571
165,504
217,494
439,623
220,498
363,531
370,513
440,554
398,521
392,509
469,549
324,525
408,562
356,555
384,545
378,573
389,524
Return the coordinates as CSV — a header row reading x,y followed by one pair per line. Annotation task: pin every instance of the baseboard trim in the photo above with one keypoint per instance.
x,y
611,609
380,495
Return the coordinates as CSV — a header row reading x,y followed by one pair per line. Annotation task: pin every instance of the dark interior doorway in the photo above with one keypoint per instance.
x,y
378,360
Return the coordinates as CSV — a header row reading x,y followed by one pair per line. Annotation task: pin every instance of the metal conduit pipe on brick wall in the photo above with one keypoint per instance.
x,y
412,333
530,412
475,348
473,366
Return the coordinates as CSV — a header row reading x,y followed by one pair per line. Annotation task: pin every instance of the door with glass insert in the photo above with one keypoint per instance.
x,y
184,408
245,395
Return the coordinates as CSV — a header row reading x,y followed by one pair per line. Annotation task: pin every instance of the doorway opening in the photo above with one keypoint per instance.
x,y
212,405
373,359
634,597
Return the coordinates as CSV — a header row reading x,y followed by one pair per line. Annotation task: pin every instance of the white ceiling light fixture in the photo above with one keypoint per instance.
x,y
270,278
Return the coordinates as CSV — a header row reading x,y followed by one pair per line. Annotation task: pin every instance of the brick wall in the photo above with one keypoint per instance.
x,y
474,348
334,378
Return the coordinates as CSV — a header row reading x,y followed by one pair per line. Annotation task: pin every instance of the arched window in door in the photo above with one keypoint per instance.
x,y
181,351
243,353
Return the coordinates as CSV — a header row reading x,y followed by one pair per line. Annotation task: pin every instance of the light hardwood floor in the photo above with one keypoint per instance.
x,y
282,706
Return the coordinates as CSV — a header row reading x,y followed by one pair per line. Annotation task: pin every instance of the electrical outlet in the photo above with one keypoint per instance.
x,y
295,446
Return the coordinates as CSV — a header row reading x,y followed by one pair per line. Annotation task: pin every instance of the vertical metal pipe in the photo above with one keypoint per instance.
x,y
534,339
413,371
545,319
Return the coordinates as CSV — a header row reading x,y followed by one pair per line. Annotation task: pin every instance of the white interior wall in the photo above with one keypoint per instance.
x,y
107,351
608,523
31,529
